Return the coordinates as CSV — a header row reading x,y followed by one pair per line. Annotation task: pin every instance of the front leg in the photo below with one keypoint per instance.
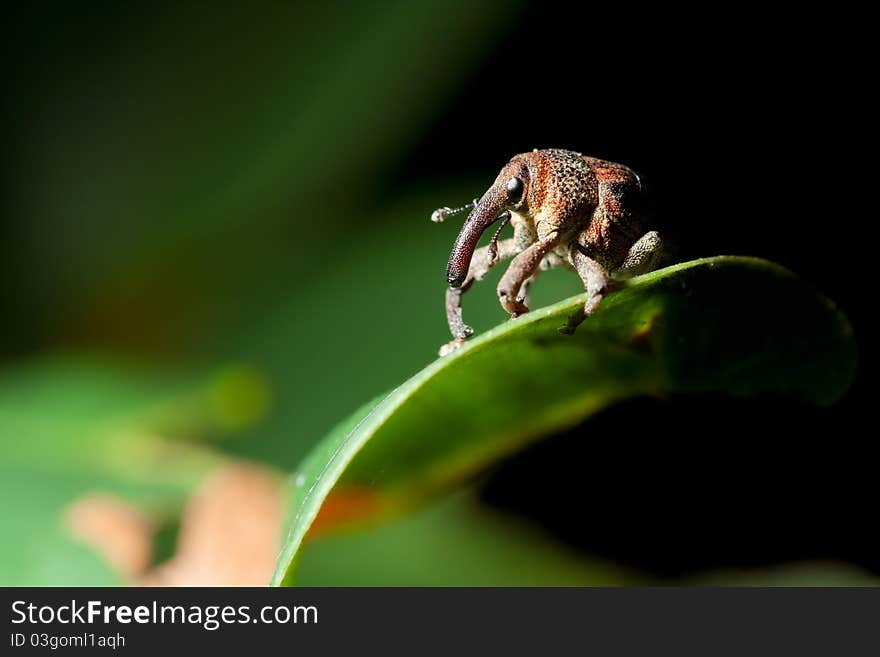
x,y
482,262
595,280
521,269
524,290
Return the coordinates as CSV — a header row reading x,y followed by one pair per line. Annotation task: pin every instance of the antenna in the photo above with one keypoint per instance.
x,y
493,244
444,213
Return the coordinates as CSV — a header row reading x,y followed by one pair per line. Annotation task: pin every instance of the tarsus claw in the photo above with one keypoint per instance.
x,y
449,347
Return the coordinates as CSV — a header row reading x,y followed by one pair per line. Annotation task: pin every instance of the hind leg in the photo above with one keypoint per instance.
x,y
643,256
595,280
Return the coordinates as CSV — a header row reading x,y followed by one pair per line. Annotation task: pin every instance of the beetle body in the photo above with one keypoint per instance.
x,y
566,209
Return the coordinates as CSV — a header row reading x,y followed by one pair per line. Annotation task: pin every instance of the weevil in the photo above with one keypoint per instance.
x,y
567,210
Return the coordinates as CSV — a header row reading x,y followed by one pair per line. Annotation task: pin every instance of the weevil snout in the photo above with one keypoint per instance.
x,y
506,193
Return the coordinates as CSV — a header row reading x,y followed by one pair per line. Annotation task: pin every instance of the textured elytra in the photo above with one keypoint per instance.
x,y
564,177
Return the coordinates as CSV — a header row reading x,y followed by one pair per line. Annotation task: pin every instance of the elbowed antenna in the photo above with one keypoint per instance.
x,y
444,213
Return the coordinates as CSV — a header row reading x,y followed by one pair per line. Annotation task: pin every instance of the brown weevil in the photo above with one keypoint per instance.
x,y
567,210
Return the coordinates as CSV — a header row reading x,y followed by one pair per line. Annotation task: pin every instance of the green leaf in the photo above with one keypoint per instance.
x,y
70,427
743,326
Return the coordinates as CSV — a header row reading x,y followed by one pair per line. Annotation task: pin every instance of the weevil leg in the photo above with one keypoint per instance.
x,y
482,262
595,280
523,267
523,295
505,217
643,256
459,330
550,261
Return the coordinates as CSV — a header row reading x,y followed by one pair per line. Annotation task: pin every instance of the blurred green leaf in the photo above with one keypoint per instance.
x,y
71,427
37,549
738,325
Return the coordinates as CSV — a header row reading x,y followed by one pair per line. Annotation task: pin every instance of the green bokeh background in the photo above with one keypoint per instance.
x,y
206,186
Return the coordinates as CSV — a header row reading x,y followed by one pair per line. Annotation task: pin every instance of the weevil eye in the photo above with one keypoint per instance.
x,y
514,190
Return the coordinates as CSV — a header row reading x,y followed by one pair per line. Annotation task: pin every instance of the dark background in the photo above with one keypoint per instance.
x,y
751,128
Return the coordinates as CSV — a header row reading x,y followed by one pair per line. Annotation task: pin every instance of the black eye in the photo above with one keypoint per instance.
x,y
514,190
